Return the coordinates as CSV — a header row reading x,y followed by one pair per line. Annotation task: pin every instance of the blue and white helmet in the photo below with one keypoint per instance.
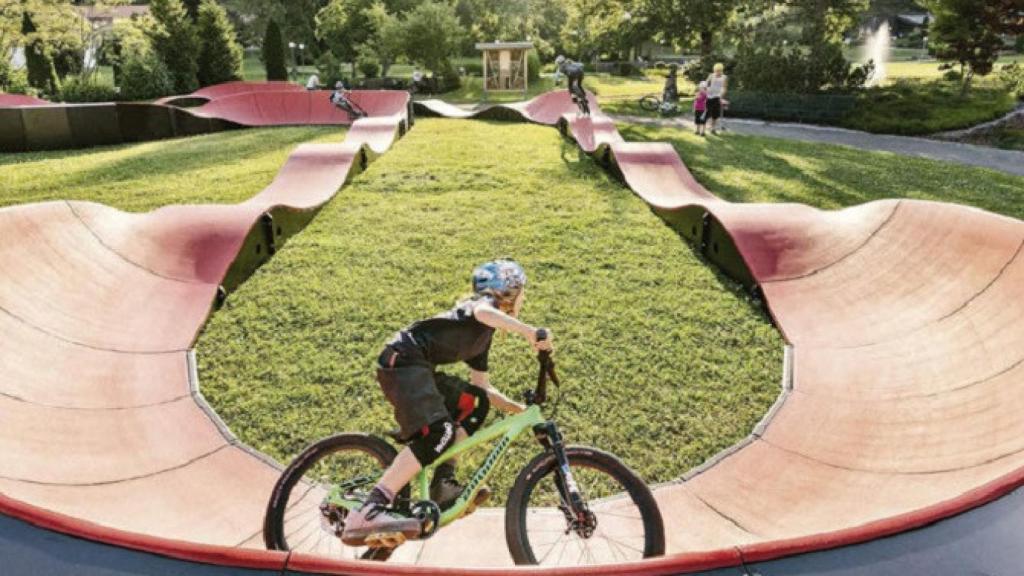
x,y
501,279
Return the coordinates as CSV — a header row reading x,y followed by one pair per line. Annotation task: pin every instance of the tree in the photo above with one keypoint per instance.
x,y
692,23
220,56
128,38
433,35
273,53
145,76
175,43
192,7
344,26
41,72
966,32
388,40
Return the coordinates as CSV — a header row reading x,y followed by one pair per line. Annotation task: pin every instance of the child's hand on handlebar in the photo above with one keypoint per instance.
x,y
541,345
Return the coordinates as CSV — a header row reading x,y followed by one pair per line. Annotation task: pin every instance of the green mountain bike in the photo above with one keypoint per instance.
x,y
570,505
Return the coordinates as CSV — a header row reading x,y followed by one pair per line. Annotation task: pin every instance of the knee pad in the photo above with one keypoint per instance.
x,y
473,408
433,441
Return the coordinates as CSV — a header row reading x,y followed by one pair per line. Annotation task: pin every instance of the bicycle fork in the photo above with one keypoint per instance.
x,y
578,515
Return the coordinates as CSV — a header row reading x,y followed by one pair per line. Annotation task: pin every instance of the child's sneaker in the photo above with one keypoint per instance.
x,y
372,525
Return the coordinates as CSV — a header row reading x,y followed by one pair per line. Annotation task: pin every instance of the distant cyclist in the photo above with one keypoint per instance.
x,y
434,410
573,72
341,98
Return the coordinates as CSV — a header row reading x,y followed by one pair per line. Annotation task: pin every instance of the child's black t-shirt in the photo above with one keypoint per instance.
x,y
449,337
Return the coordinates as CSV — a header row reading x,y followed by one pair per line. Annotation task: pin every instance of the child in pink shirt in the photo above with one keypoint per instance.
x,y
700,108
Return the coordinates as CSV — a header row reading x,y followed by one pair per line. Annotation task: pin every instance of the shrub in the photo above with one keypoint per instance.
x,y
86,89
12,81
145,77
1012,76
953,76
1018,44
476,68
660,65
368,64
273,53
450,79
220,55
329,68
175,42
532,66
626,69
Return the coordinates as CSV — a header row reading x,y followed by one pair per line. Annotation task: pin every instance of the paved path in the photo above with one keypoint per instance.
x,y
1009,161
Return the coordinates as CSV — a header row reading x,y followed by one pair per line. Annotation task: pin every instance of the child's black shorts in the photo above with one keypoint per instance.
x,y
422,396
700,117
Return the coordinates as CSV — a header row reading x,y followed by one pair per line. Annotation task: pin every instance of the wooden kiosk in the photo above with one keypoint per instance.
x,y
505,66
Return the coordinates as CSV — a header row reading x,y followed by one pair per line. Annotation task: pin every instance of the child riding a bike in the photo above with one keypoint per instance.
x,y
435,411
341,99
573,72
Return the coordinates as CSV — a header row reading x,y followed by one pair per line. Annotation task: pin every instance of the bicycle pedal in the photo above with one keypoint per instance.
x,y
385,540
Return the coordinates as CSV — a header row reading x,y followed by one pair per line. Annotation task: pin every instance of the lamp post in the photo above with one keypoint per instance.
x,y
295,59
295,63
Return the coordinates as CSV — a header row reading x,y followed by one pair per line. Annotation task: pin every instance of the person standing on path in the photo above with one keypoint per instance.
x,y
700,109
717,87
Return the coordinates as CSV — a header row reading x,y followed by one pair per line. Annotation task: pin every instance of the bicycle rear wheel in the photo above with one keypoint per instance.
x,y
650,103
626,523
297,517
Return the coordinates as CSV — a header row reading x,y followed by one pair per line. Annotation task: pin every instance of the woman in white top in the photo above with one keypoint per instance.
x,y
717,86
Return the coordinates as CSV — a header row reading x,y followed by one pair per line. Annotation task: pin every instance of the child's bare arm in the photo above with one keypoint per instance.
x,y
495,396
491,316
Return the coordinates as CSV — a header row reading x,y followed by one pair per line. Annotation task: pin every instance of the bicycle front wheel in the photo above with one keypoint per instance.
x,y
624,525
299,518
650,103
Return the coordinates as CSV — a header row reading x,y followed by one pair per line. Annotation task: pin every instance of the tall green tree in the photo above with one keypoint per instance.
x,y
967,32
433,35
175,43
344,26
220,55
273,53
387,42
41,72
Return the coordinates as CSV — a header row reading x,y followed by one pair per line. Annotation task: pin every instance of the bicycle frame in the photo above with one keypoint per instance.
x,y
508,429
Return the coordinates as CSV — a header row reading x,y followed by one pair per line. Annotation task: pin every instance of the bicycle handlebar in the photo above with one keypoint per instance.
x,y
539,395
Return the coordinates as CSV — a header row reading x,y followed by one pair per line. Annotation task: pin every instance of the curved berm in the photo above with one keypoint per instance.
x,y
896,446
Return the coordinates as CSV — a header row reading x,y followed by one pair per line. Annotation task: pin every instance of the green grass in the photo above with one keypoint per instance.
x,y
224,167
756,169
925,107
929,69
664,361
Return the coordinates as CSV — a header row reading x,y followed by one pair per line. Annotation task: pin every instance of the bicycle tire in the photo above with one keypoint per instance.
x,y
580,457
650,103
274,531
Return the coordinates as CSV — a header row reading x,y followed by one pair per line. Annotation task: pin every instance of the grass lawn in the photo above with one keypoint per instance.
x,y
755,169
223,167
927,106
664,361
929,69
